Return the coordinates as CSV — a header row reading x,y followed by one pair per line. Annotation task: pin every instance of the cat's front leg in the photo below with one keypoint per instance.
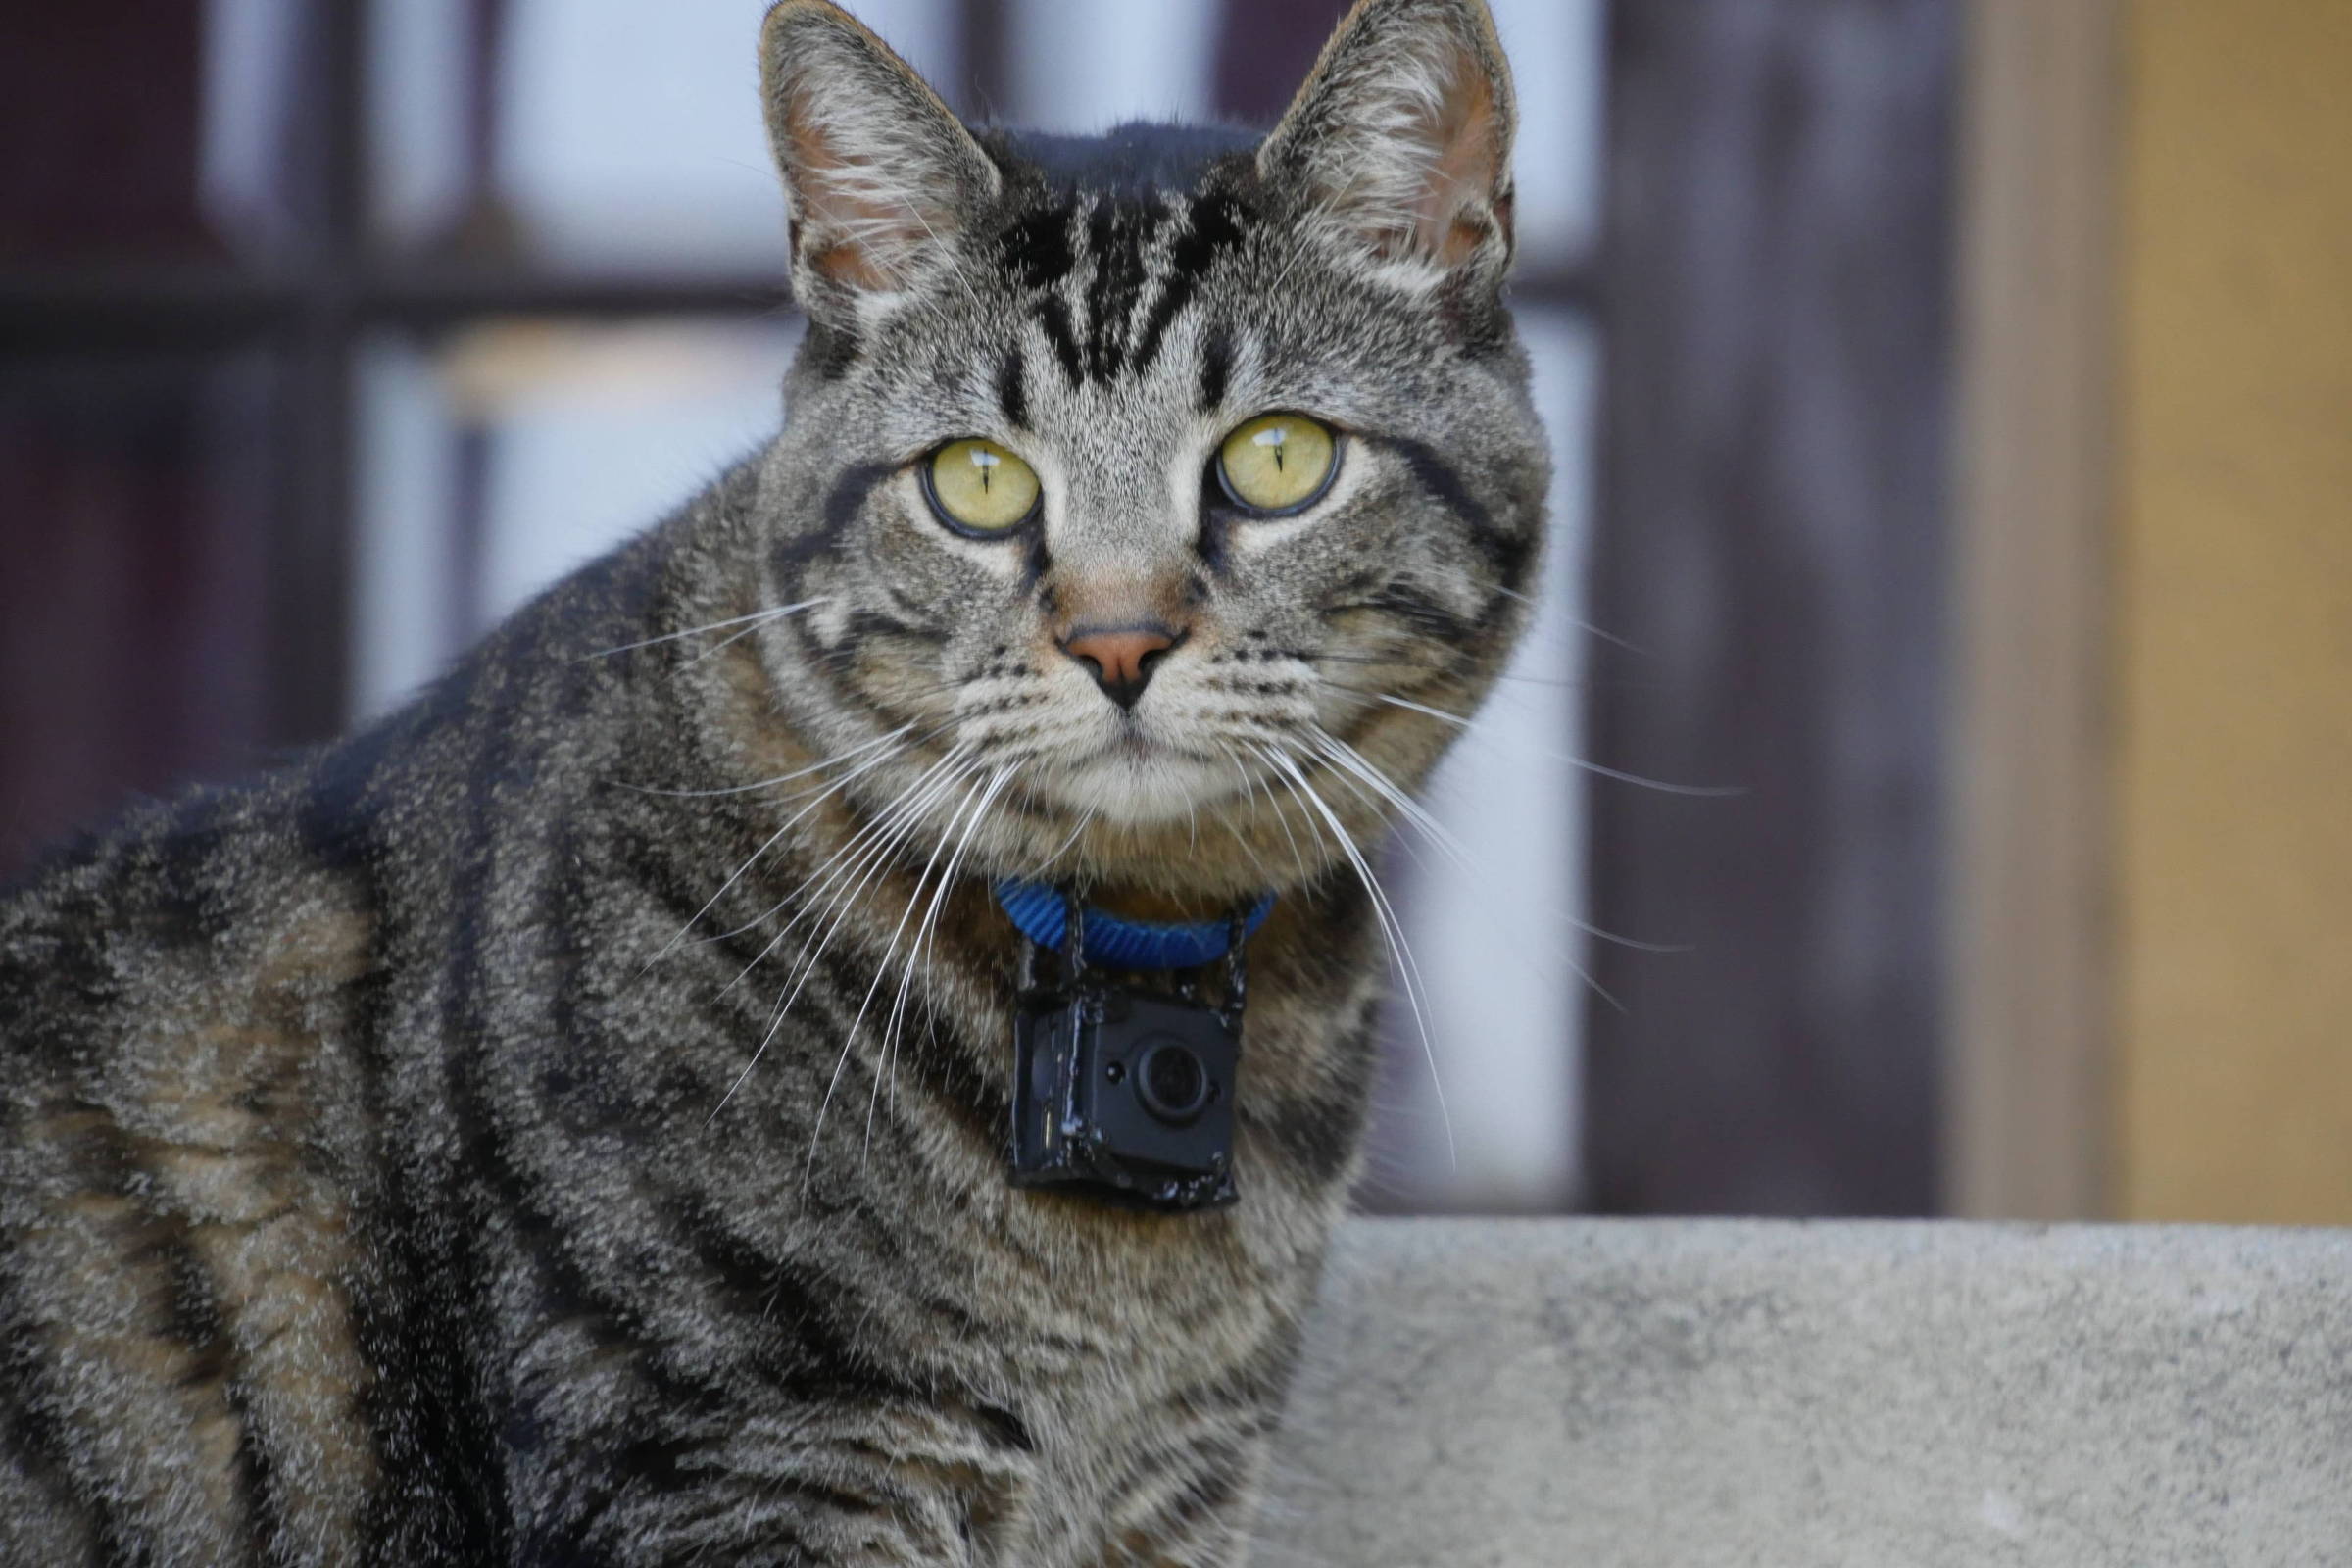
x,y
783,1522
823,1487
1195,1513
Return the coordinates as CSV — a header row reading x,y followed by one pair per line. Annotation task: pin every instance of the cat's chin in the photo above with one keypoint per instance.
x,y
1141,786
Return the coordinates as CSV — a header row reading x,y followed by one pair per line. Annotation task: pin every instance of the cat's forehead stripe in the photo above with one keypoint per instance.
x,y
1095,263
1216,367
1012,392
1214,224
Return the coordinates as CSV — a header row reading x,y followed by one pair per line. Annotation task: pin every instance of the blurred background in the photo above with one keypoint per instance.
x,y
1924,791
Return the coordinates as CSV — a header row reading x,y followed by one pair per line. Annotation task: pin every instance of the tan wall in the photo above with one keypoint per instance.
x,y
2232,1040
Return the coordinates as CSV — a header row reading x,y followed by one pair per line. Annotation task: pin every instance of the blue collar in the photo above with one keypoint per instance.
x,y
1117,943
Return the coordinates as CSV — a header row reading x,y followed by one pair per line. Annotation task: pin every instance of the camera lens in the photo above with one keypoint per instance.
x,y
1171,1082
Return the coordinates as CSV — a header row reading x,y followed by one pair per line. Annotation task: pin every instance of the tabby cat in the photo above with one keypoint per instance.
x,y
566,1122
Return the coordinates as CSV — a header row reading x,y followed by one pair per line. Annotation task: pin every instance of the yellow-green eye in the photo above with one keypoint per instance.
x,y
1277,463
979,487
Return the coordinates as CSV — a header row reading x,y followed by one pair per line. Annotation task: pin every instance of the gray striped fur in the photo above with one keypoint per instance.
x,y
409,1155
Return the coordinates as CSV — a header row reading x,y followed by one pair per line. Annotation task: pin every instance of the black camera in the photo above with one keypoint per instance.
x,y
1126,1094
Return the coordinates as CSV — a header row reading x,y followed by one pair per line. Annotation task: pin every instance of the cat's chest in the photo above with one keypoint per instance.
x,y
1109,1317
1149,1341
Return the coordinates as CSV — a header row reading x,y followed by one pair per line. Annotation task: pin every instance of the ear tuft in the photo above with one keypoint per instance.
x,y
1403,136
880,177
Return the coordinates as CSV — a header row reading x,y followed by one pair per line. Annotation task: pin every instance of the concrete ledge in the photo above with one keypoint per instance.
x,y
1596,1393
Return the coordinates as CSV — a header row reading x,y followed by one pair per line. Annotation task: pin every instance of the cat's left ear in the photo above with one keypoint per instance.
x,y
880,177
1401,138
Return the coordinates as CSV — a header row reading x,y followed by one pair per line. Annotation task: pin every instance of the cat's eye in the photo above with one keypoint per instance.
x,y
1278,463
977,487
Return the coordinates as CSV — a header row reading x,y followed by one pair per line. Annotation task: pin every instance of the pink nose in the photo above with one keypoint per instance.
x,y
1121,658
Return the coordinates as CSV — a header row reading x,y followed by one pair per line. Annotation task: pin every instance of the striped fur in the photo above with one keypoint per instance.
x,y
564,1122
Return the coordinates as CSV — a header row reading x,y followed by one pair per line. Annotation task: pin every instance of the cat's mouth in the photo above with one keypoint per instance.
x,y
1134,741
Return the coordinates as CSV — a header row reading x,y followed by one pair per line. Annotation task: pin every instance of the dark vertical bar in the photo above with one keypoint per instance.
x,y
131,535
485,38
984,89
464,614
125,538
310,613
1771,533
483,235
1264,51
93,174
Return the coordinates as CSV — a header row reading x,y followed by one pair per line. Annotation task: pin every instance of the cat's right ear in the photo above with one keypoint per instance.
x,y
1401,139
879,175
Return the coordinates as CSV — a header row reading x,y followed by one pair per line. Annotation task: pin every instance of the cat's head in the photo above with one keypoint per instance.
x,y
1160,489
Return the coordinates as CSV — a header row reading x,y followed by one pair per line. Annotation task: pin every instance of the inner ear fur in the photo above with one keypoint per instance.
x,y
1402,133
879,174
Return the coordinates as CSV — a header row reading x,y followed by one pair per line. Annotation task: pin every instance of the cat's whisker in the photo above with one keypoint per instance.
x,y
916,956
1240,839
869,839
1703,791
1282,815
1356,765
769,843
1354,762
863,851
769,783
820,791
879,852
880,820
919,952
1085,818
858,851
1392,929
840,904
1251,793
756,618
1420,817
726,642
848,1041
850,882
822,795
1368,661
1381,809
881,972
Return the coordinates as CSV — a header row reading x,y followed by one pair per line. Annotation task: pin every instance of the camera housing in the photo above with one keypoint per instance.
x,y
1127,1094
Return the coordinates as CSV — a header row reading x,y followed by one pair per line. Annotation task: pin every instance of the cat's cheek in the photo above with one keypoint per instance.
x,y
945,583
978,562
1252,540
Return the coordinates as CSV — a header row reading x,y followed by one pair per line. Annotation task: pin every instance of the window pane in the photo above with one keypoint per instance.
x,y
94,171
250,111
1555,52
495,460
1070,73
134,507
622,136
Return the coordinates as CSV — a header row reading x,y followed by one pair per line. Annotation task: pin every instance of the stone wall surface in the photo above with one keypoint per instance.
x,y
1519,1394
